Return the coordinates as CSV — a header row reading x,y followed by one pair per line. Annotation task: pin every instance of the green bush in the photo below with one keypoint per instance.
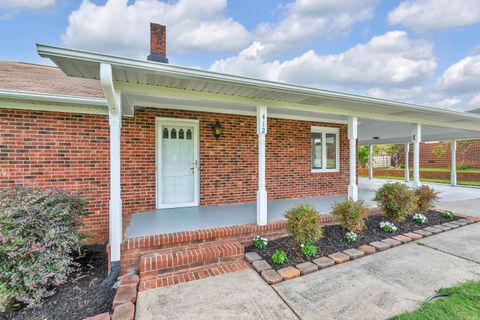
x,y
309,250
464,166
302,224
38,232
396,200
425,198
279,257
349,214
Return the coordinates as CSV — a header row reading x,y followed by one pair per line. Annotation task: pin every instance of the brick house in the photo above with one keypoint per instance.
x,y
468,155
170,156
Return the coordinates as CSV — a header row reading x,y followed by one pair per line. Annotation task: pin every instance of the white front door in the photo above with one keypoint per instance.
x,y
177,157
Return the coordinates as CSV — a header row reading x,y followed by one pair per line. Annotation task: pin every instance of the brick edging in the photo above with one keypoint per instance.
x,y
272,276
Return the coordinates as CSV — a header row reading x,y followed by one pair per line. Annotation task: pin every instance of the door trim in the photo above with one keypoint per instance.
x,y
159,121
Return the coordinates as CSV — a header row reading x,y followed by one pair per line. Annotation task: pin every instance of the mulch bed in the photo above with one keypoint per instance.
x,y
83,295
333,239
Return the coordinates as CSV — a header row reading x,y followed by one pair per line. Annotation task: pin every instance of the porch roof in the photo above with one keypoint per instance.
x,y
146,83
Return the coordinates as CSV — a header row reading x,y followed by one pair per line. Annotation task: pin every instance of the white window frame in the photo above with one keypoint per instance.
x,y
324,131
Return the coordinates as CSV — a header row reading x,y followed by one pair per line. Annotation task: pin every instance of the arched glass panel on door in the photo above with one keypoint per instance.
x,y
181,134
189,134
173,134
165,133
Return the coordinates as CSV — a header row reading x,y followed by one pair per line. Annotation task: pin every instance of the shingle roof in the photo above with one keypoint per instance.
x,y
34,78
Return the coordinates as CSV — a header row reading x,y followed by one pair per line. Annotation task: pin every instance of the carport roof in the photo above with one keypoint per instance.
x,y
139,77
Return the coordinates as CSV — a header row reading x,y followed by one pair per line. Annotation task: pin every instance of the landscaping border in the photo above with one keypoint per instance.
x,y
272,276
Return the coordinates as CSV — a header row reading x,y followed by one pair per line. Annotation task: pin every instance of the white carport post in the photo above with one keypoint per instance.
x,y
416,138
262,192
370,162
352,137
453,177
407,160
115,205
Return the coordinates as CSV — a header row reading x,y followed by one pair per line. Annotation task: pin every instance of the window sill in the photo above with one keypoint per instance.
x,y
324,170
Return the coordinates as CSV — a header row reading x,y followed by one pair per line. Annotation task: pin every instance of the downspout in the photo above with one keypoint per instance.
x,y
115,204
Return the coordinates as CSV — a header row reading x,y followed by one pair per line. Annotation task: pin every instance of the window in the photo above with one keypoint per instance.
x,y
325,149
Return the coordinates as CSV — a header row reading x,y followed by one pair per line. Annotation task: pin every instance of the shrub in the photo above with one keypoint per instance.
x,y
350,214
38,232
425,198
419,218
279,257
388,227
302,224
464,166
309,250
447,214
351,237
396,200
259,242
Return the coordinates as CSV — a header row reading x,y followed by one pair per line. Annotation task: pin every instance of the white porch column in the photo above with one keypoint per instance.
x,y
416,138
453,177
370,162
407,160
352,137
115,204
262,192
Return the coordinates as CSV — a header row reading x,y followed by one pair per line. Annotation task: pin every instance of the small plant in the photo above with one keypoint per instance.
x,y
419,218
279,257
447,214
426,196
351,237
388,227
309,249
259,242
302,224
396,200
349,214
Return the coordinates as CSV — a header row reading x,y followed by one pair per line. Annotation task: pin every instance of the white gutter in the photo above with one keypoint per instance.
x,y
182,72
52,98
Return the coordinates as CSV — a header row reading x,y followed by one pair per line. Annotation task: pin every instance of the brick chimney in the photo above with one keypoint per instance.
x,y
158,43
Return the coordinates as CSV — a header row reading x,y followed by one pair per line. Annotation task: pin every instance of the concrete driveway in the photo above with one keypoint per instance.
x,y
374,287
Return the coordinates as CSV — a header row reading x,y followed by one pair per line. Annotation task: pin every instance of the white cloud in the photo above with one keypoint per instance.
x,y
427,15
121,28
461,77
391,60
26,4
306,19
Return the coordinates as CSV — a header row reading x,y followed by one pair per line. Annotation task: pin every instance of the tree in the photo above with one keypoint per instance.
x,y
441,148
363,156
392,150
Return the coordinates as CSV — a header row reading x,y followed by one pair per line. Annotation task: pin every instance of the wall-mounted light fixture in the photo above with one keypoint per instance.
x,y
217,129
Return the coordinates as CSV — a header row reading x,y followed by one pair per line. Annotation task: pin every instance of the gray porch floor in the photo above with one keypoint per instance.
x,y
194,218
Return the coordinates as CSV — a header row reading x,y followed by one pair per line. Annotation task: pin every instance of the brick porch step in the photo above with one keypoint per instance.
x,y
191,274
180,262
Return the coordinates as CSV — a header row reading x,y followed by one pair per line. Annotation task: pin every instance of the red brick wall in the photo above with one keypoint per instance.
x,y
61,150
431,160
71,151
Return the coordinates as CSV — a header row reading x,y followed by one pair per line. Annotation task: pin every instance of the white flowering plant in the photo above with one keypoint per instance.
x,y
351,237
419,218
259,242
388,227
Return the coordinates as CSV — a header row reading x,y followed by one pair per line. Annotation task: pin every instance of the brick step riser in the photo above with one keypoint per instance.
x,y
171,260
147,275
192,274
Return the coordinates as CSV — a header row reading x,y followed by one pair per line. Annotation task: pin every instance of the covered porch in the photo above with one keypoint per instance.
x,y
173,220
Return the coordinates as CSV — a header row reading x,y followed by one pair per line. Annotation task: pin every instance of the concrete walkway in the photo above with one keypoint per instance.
x,y
374,287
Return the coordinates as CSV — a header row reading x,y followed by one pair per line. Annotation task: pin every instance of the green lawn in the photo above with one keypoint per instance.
x,y
454,307
446,181
438,169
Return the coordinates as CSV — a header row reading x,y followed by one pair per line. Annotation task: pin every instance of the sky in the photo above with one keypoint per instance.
x,y
420,51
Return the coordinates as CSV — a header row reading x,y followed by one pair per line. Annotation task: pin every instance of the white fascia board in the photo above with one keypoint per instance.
x,y
31,96
53,52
